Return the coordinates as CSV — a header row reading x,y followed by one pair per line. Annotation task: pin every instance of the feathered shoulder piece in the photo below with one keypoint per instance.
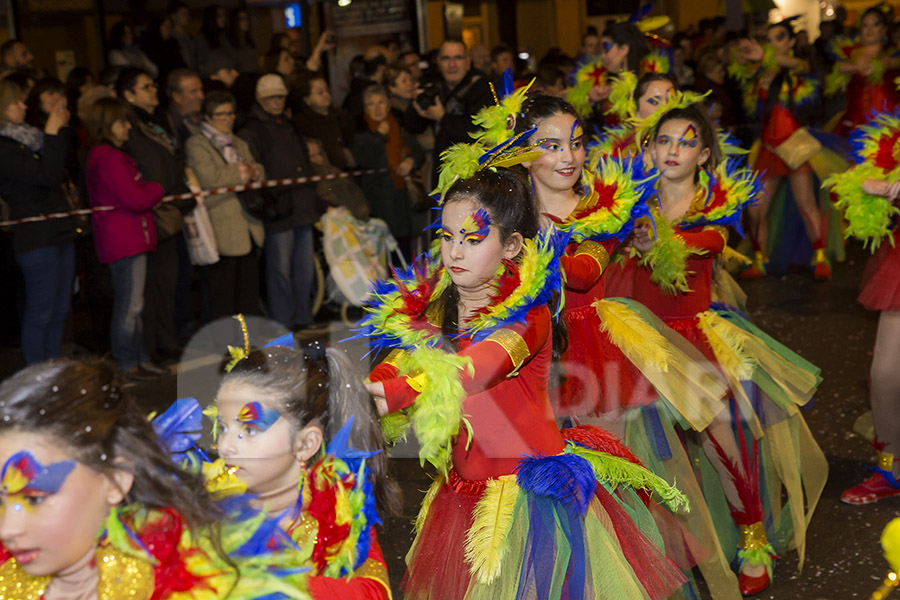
x,y
613,141
588,75
336,511
727,192
619,190
461,161
876,152
804,88
658,60
621,97
498,122
678,99
841,47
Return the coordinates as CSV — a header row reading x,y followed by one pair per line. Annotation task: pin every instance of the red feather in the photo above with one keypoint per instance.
x,y
322,506
505,286
601,441
161,536
746,483
718,196
884,158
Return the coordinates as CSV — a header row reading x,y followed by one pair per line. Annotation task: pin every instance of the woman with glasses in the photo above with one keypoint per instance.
x,y
219,158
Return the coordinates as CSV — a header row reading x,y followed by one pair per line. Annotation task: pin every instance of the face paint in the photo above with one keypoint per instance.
x,y
689,137
577,132
607,46
779,37
476,227
255,418
23,477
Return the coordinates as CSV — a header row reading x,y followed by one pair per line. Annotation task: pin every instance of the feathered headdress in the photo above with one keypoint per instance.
x,y
678,99
461,161
499,121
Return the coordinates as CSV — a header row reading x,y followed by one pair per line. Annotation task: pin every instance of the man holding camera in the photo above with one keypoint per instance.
x,y
453,99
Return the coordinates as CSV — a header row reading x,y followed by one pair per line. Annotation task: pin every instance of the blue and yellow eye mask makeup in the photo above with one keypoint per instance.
x,y
477,226
577,132
23,476
690,136
256,416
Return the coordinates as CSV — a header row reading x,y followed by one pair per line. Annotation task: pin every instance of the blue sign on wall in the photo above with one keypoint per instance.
x,y
292,15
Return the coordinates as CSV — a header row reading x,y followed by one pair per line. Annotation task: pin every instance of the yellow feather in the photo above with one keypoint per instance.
x,y
426,503
890,542
642,344
734,259
728,344
486,540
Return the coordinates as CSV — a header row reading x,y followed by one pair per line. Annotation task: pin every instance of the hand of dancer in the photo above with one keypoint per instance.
x,y
377,391
642,240
879,187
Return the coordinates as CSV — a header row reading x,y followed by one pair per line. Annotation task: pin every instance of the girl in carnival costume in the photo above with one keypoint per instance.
x,y
868,193
777,86
298,428
91,506
615,345
867,65
764,447
519,509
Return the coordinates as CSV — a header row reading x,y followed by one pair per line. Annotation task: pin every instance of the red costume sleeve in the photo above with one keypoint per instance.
x,y
711,239
492,365
585,266
369,581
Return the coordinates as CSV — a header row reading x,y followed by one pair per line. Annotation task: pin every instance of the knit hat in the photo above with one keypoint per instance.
x,y
270,85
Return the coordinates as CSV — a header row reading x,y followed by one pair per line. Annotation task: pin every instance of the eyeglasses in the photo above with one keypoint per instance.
x,y
230,113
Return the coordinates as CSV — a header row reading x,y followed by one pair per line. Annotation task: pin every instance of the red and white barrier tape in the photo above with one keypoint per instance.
x,y
211,192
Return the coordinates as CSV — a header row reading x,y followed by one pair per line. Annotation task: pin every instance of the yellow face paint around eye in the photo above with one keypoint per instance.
x,y
690,134
577,131
477,226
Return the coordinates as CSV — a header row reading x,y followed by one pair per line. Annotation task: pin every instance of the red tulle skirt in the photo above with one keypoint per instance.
x,y
596,376
881,279
438,569
769,164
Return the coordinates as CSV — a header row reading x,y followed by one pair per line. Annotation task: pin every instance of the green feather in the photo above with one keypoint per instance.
x,y
668,259
868,217
616,471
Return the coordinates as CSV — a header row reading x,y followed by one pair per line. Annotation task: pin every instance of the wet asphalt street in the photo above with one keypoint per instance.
x,y
822,322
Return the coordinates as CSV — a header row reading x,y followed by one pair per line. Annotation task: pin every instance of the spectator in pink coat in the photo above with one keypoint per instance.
x,y
125,235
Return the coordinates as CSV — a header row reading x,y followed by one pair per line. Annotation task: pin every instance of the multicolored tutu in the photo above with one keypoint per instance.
x,y
575,525
881,279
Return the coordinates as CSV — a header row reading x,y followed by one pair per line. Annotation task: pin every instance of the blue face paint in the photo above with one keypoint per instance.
x,y
255,418
26,481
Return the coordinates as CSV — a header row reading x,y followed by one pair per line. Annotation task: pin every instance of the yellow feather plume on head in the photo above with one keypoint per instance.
x,y
486,540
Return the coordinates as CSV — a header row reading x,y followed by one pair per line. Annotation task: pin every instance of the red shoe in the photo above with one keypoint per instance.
x,y
757,268
821,266
753,585
871,490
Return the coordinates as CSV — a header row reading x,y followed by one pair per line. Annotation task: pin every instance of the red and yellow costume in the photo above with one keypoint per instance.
x,y
519,509
767,383
871,94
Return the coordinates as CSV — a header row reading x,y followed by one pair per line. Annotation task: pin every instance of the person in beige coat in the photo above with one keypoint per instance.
x,y
220,158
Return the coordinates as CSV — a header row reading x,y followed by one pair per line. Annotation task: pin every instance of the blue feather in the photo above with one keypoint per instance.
x,y
566,478
285,340
180,425
640,14
507,86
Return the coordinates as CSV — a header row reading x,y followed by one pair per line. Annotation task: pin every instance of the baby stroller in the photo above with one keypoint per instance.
x,y
356,252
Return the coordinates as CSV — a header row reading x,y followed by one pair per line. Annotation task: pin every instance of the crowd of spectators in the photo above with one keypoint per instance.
x,y
178,109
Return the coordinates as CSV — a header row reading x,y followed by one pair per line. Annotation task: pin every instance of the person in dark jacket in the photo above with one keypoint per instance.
x,y
381,143
288,246
154,146
457,95
317,118
32,170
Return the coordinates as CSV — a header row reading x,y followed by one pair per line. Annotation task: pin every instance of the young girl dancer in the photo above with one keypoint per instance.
x,y
300,430
519,509
777,86
868,194
91,506
698,199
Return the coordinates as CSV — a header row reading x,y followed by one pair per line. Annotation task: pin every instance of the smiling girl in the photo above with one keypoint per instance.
x,y
91,506
516,500
698,200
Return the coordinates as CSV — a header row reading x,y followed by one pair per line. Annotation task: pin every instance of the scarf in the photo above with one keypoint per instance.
x,y
393,148
223,141
27,135
156,127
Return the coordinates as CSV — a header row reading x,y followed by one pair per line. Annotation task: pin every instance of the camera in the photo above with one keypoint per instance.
x,y
427,97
